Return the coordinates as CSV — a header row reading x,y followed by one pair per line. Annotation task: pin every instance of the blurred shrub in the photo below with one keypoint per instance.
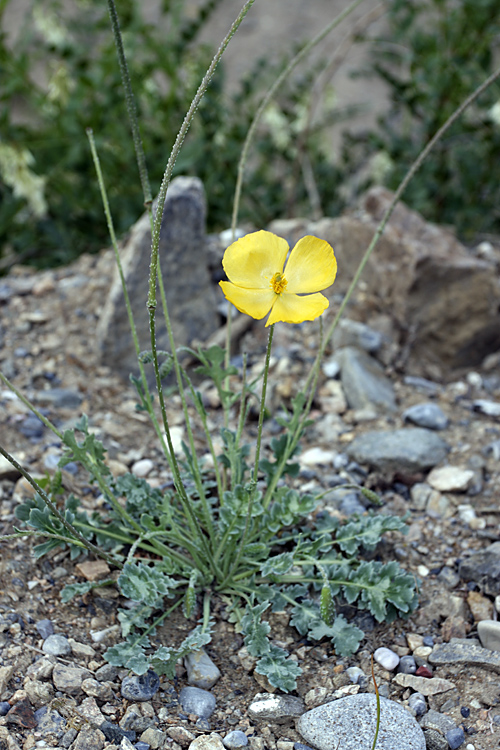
x,y
62,76
435,54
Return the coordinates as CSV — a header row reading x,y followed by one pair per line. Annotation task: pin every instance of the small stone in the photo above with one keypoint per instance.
x,y
89,737
45,628
143,467
414,640
459,651
69,679
489,634
423,671
350,723
356,675
201,670
235,740
39,693
140,688
483,567
59,398
428,641
422,652
207,742
4,708
417,704
426,686
42,669
155,738
407,665
197,701
114,733
93,570
450,478
364,382
50,723
437,721
5,675
420,494
428,415
448,576
317,457
96,689
455,737
267,706
106,673
180,735
56,645
81,650
480,606
490,408
408,450
386,658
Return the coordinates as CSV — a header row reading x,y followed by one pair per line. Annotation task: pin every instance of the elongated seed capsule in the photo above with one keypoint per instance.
x,y
326,605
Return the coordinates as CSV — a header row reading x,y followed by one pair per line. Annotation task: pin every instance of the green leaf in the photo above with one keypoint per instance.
x,y
80,589
131,619
304,614
281,671
130,655
163,661
367,532
255,630
141,583
346,637
277,565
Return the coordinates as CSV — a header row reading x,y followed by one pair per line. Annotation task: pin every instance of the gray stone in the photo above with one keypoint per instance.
x,y
56,645
235,740
460,651
350,723
434,740
425,685
140,687
153,737
201,670
409,449
197,701
417,704
439,722
69,679
191,296
489,634
50,723
39,693
364,382
58,398
483,568
428,415
207,742
490,408
455,737
353,333
89,737
272,707
407,665
45,628
106,673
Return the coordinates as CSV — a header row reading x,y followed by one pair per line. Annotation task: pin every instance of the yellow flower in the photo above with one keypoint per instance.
x,y
259,283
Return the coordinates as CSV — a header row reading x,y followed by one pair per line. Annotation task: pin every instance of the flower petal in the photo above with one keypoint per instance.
x,y
253,302
311,266
252,261
290,308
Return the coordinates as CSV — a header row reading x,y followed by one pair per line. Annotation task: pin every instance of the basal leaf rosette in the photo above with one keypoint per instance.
x,y
260,282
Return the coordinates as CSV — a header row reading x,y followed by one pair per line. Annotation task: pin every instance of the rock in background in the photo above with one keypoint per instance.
x,y
443,300
191,296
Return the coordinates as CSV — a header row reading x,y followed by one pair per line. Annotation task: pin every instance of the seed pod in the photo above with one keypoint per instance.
x,y
326,605
189,600
371,496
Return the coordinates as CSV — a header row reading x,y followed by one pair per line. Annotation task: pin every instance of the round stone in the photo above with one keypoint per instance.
x,y
386,658
417,704
455,737
350,723
44,628
428,415
143,467
197,701
236,739
407,665
56,645
140,687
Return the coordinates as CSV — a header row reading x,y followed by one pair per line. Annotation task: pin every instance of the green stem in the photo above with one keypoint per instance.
x,y
55,510
262,403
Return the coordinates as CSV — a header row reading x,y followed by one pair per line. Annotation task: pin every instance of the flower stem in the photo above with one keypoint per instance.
x,y
262,404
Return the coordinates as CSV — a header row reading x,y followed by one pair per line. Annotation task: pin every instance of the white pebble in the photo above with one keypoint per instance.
x,y
470,747
423,571
386,658
143,467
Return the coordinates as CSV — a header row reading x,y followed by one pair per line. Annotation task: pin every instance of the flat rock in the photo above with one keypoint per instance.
x,y
424,685
428,415
197,701
483,568
461,651
69,679
190,293
409,449
271,707
364,381
350,724
450,478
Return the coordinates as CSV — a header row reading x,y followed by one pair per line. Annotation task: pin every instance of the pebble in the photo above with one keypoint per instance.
x,y
356,675
4,708
275,707
201,670
207,742
140,687
448,577
69,679
143,467
317,457
197,701
480,606
89,737
350,723
490,408
461,651
59,398
417,704
455,737
364,381
489,634
407,665
425,685
483,566
235,740
353,333
407,450
138,746
56,645
50,723
154,737
450,478
45,628
428,415
437,721
386,658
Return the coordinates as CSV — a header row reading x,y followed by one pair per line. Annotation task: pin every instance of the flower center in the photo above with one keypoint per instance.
x,y
278,283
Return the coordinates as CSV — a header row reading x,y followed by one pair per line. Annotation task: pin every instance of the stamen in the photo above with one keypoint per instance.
x,y
278,283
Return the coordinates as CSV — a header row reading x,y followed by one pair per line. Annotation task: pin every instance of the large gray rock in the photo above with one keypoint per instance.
x,y
408,450
483,568
191,296
364,382
350,724
444,300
